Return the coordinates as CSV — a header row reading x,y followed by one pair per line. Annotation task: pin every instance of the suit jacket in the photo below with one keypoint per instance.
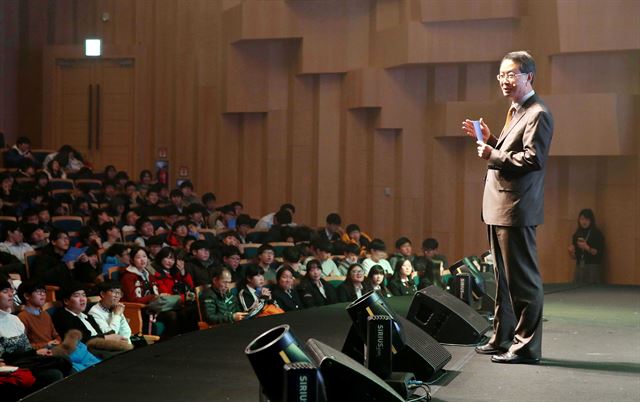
x,y
311,296
514,185
286,302
347,293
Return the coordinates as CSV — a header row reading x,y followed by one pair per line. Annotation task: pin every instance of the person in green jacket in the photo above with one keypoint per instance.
x,y
218,304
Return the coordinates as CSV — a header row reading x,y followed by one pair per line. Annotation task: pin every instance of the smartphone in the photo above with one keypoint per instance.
x,y
477,129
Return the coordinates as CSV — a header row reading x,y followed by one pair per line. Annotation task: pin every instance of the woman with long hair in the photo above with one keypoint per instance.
x,y
402,282
139,286
587,248
354,284
376,279
313,290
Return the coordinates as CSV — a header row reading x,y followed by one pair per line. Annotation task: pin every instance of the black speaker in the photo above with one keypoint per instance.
x,y
413,350
268,355
483,287
446,318
461,288
346,379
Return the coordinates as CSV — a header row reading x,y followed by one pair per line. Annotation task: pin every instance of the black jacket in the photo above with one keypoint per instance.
x,y
287,302
311,296
347,293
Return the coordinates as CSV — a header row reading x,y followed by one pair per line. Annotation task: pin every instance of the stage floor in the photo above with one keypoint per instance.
x,y
591,351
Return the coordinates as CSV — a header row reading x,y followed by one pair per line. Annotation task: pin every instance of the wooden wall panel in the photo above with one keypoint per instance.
x,y
328,103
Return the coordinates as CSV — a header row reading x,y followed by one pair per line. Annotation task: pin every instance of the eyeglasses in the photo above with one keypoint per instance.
x,y
511,77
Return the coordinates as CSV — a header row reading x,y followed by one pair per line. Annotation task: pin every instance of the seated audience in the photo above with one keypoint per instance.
x,y
377,280
48,266
267,221
16,350
332,230
252,288
139,286
315,291
404,279
18,153
404,251
283,293
231,258
218,304
200,265
265,260
13,243
188,196
291,259
377,251
354,235
73,316
108,313
430,265
350,252
42,333
354,285
322,252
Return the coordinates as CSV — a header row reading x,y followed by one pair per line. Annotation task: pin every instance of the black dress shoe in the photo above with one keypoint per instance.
x,y
512,358
489,349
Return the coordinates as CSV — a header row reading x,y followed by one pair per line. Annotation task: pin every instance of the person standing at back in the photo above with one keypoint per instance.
x,y
512,207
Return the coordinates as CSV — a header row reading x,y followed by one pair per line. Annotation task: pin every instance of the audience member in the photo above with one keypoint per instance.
x,y
218,304
377,251
200,265
315,291
377,280
587,248
354,235
404,279
108,313
354,285
13,241
283,293
252,288
404,251
332,230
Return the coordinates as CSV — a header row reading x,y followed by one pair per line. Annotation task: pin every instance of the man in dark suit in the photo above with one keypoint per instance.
x,y
512,207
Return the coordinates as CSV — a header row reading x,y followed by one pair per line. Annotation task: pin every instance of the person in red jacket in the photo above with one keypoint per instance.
x,y
139,286
171,275
172,278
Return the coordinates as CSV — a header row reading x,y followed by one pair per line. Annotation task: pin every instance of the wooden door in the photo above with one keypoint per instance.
x,y
73,105
114,114
94,110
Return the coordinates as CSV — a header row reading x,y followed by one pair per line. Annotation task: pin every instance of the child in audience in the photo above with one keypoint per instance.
x,y
377,250
315,291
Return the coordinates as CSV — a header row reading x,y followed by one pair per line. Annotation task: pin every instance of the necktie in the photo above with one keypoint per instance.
x,y
510,113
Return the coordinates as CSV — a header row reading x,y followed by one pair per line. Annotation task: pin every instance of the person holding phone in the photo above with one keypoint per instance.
x,y
512,207
587,247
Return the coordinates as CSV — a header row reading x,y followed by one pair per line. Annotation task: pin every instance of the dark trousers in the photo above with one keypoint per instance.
x,y
517,325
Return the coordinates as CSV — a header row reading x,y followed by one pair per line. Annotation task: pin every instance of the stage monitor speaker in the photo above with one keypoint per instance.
x,y
484,284
446,318
461,288
347,380
269,353
414,351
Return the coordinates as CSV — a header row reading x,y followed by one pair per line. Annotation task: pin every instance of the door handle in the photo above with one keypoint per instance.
x,y
90,122
98,111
